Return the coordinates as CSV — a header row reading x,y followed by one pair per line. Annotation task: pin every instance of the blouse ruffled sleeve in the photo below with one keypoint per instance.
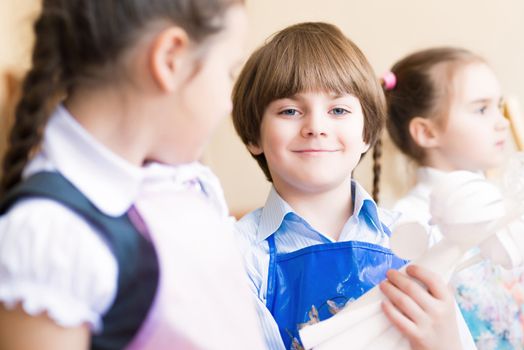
x,y
52,261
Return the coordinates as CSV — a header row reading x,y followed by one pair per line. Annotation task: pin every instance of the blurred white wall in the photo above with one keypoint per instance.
x,y
385,31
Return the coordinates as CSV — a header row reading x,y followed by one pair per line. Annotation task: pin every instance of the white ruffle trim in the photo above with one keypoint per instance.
x,y
62,309
52,261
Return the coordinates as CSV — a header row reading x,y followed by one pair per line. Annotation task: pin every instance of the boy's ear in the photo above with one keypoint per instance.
x,y
168,49
424,132
255,150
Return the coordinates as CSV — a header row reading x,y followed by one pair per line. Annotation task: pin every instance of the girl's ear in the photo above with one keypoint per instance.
x,y
424,132
255,150
168,50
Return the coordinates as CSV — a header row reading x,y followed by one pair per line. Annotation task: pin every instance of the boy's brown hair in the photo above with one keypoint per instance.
x,y
303,58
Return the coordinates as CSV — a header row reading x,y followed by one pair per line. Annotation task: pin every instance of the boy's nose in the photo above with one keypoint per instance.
x,y
314,125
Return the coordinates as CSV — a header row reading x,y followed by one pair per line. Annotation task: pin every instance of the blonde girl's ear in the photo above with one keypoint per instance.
x,y
424,132
254,149
167,54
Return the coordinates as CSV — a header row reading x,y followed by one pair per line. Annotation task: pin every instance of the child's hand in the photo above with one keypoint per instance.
x,y
425,317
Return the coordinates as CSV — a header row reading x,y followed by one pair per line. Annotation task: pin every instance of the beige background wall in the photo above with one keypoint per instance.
x,y
16,18
385,30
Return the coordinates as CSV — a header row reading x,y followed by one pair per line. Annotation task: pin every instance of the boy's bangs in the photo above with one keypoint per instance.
x,y
309,65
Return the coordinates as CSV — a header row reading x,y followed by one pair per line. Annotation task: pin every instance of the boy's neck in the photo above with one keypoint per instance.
x,y
326,211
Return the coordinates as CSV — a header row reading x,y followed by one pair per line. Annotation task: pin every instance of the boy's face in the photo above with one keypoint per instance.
x,y
312,141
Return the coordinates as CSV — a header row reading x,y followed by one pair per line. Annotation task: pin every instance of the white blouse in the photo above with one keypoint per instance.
x,y
50,258
414,206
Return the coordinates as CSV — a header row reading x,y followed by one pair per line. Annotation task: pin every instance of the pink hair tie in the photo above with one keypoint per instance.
x,y
389,81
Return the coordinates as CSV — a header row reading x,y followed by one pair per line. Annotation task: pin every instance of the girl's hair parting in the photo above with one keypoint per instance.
x,y
419,85
81,41
302,58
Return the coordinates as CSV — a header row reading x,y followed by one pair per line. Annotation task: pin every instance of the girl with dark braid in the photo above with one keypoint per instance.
x,y
112,235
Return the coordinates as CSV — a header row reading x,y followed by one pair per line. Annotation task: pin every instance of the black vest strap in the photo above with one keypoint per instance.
x,y
138,269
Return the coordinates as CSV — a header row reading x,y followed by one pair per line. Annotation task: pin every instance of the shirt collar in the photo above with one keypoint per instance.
x,y
110,182
276,209
107,180
429,176
365,205
273,214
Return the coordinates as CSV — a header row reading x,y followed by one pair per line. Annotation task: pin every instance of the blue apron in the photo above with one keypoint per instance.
x,y
311,283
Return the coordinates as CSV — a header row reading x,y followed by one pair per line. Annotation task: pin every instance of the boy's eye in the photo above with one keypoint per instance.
x,y
339,111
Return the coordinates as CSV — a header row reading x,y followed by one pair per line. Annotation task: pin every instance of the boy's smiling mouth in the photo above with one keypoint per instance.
x,y
314,151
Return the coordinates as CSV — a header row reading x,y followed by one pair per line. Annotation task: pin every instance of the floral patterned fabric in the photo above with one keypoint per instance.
x,y
491,300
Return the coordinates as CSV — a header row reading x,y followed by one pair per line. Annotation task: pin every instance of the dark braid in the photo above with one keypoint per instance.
x,y
41,88
80,42
377,153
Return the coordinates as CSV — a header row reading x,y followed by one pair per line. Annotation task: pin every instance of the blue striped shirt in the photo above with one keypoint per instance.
x,y
292,233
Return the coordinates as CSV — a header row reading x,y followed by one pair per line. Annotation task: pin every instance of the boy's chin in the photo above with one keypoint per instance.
x,y
315,186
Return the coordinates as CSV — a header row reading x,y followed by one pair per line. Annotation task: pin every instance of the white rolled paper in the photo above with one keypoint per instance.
x,y
469,211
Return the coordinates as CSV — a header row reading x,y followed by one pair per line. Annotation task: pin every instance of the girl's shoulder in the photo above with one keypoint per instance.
x,y
52,260
415,204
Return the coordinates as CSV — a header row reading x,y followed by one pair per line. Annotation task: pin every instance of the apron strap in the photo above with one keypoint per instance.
x,y
270,294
